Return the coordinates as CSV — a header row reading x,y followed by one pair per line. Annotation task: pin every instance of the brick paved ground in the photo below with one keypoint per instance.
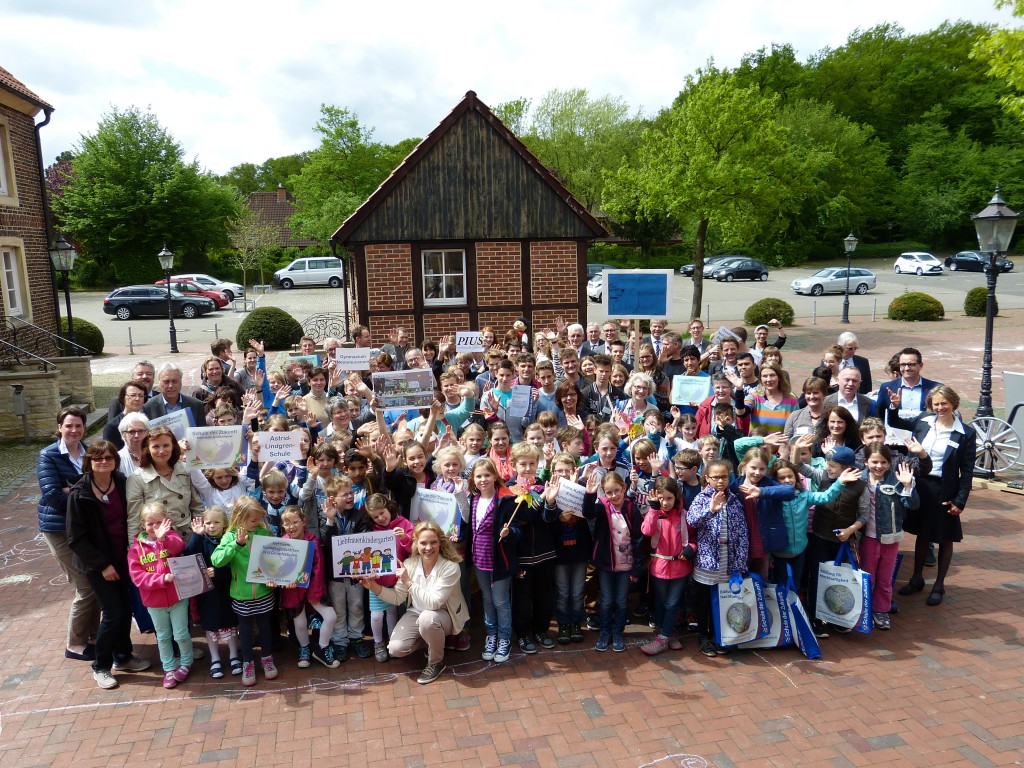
x,y
944,687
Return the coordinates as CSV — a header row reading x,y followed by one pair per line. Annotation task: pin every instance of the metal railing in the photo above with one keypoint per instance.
x,y
40,338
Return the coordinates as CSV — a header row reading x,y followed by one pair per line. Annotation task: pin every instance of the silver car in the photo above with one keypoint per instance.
x,y
833,280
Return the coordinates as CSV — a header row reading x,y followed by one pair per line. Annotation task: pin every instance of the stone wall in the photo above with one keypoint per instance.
x,y
76,380
42,402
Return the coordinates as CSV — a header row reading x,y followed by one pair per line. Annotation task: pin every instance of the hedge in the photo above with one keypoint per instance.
x,y
273,325
916,307
86,334
760,312
975,303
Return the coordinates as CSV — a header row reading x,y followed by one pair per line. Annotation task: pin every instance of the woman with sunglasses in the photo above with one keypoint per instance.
x,y
98,537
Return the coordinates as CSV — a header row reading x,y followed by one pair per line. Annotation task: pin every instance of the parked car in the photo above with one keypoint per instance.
x,y
595,287
231,290
918,262
597,269
192,288
737,269
151,301
833,280
687,269
322,270
976,261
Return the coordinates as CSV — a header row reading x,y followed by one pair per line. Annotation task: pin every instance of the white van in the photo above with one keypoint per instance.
x,y
321,270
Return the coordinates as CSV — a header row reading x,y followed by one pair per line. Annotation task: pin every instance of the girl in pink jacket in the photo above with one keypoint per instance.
x,y
150,572
671,553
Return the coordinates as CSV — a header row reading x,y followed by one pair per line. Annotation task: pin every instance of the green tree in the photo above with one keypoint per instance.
x,y
254,240
265,177
514,115
341,173
1003,51
130,192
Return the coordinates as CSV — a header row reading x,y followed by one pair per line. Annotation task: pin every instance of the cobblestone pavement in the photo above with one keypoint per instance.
x,y
942,688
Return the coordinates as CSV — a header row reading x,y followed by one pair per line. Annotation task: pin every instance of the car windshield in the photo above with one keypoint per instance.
x,y
825,272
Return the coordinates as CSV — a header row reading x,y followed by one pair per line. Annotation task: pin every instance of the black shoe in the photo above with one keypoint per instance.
x,y
576,633
935,598
707,647
544,640
564,636
363,649
526,645
841,630
820,629
341,652
593,623
912,586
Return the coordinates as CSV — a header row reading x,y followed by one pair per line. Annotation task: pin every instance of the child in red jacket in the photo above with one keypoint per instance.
x,y
147,565
294,598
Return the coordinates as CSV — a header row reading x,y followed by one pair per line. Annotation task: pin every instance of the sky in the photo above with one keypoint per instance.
x,y
238,82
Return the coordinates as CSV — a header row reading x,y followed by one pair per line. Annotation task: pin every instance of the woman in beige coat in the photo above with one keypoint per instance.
x,y
428,582
162,477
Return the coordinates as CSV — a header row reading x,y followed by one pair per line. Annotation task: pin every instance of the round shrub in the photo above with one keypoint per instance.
x,y
915,307
86,334
277,328
976,301
760,312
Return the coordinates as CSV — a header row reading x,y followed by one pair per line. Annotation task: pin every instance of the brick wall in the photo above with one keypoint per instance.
x,y
554,272
501,322
544,318
438,325
388,279
380,328
25,220
498,274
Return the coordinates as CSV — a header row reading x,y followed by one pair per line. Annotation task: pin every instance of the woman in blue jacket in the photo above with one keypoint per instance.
x,y
59,468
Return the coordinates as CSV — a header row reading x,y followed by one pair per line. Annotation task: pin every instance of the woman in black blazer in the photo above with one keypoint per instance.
x,y
952,446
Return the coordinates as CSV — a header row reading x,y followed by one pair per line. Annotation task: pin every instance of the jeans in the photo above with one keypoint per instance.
x,y
172,623
569,583
113,639
347,598
614,600
668,595
497,604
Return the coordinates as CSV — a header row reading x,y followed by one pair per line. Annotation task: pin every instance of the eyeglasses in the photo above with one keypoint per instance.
x,y
136,432
718,477
909,365
103,459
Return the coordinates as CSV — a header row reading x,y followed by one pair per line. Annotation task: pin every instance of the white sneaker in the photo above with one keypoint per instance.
x,y
490,645
133,664
104,679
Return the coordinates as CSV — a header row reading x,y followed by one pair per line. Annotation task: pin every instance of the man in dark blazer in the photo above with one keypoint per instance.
x,y
143,371
170,399
913,387
848,342
860,406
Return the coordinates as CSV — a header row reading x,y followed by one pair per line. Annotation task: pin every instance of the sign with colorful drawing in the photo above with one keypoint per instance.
x,y
364,554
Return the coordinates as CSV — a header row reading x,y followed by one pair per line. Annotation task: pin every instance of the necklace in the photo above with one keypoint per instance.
x,y
103,491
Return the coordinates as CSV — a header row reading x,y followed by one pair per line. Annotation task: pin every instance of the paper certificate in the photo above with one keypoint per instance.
x,y
178,422
723,333
279,446
402,390
519,403
439,507
190,577
353,358
690,389
282,561
213,447
364,554
468,341
570,497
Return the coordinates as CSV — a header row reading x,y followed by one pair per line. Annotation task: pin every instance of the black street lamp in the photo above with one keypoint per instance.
x,y
167,263
63,255
850,243
994,225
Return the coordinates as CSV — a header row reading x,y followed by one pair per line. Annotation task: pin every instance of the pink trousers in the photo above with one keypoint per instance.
x,y
879,560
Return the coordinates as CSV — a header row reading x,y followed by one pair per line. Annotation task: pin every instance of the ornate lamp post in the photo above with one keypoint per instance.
x,y
63,255
994,225
167,264
850,243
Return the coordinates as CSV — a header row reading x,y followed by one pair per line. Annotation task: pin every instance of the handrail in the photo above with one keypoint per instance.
x,y
61,342
11,354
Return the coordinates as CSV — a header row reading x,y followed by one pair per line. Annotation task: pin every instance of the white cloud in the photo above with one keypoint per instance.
x,y
243,81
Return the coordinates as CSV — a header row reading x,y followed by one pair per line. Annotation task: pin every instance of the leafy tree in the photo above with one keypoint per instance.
x,y
254,239
341,173
1003,51
265,177
129,192
514,114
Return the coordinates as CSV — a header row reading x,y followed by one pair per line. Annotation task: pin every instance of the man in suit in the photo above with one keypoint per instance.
x,y
654,338
849,344
912,386
860,406
609,333
727,365
170,399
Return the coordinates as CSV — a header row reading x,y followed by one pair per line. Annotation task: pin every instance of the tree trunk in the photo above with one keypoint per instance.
x,y
698,270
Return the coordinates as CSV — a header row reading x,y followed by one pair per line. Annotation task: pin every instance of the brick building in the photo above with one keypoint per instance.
x,y
276,208
470,230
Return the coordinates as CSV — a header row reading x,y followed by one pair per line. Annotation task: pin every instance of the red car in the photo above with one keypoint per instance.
x,y
192,288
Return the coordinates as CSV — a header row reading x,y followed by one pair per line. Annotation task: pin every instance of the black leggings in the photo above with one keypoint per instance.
x,y
702,607
246,628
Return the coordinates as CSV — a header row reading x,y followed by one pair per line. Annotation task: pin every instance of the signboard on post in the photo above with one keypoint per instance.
x,y
353,358
641,294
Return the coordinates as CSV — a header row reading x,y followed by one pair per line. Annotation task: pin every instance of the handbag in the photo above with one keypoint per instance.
x,y
803,635
844,593
780,632
739,610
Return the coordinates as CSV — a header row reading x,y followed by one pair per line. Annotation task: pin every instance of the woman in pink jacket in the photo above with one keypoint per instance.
x,y
671,553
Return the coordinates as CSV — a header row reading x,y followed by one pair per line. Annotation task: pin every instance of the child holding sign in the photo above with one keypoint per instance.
x,y
573,546
384,514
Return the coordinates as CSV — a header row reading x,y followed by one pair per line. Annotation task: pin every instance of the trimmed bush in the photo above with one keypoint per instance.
x,y
86,334
976,301
916,307
277,328
760,312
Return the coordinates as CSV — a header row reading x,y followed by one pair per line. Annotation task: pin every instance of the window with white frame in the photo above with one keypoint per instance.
x,y
444,277
6,164
12,274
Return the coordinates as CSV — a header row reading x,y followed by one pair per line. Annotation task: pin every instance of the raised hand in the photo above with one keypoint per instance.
x,y
895,397
593,481
551,490
905,474
241,536
258,346
197,525
850,475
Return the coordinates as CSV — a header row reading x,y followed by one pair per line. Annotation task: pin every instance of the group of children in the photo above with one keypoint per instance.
x,y
664,516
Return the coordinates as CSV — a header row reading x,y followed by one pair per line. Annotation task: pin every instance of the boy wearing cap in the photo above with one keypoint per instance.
x,y
833,523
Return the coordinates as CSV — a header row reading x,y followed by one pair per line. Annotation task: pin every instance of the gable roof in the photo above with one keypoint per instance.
x,y
13,85
469,179
276,208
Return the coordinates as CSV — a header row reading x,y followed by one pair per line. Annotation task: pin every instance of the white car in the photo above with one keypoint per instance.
x,y
321,270
918,263
595,287
833,280
231,290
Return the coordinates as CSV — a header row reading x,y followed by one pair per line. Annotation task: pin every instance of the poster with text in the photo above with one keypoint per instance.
x,y
468,341
214,447
279,446
690,389
570,498
353,358
373,553
637,293
190,576
178,422
281,561
439,507
402,390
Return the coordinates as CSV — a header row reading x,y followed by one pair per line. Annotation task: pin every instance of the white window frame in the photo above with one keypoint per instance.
x,y
456,301
13,282
8,191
